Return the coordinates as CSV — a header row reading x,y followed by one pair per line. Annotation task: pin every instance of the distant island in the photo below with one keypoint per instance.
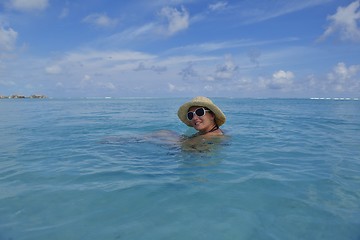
x,y
22,96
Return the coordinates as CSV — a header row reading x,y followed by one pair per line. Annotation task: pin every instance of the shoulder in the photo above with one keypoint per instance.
x,y
217,132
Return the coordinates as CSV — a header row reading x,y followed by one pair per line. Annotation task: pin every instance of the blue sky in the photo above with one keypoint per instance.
x,y
180,48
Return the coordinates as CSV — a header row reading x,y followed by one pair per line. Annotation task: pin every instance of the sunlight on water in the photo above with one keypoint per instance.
x,y
114,169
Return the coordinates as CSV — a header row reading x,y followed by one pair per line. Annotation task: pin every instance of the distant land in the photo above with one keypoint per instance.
x,y
22,96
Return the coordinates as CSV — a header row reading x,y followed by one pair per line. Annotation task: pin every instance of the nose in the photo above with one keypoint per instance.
x,y
195,117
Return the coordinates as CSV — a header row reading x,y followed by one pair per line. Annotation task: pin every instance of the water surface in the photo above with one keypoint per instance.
x,y
87,169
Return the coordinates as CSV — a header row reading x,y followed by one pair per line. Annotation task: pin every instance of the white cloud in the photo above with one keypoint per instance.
x,y
259,10
209,88
280,80
254,53
7,39
7,83
147,31
156,68
280,75
176,20
90,82
172,21
341,72
344,23
205,70
86,77
173,88
343,78
85,81
89,71
100,20
188,72
227,70
64,13
28,5
254,56
107,85
54,69
218,6
100,58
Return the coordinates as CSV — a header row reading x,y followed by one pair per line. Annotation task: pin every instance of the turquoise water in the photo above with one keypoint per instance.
x,y
96,169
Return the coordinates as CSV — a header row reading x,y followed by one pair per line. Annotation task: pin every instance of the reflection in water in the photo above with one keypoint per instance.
x,y
202,143
199,143
186,158
167,138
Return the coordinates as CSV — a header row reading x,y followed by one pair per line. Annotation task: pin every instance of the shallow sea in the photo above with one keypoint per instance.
x,y
97,169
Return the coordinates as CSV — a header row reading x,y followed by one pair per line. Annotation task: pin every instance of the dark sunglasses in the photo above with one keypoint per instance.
x,y
199,112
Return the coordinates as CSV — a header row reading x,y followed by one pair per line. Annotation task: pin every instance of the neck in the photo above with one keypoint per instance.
x,y
214,128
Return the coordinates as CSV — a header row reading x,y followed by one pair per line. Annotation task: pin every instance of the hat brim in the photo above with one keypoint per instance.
x,y
205,102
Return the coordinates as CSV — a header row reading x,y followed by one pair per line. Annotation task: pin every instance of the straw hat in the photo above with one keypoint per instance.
x,y
201,102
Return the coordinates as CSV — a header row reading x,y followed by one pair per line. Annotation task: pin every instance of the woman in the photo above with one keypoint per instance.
x,y
201,114
205,117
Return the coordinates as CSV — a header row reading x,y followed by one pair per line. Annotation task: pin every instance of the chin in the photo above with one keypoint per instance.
x,y
198,128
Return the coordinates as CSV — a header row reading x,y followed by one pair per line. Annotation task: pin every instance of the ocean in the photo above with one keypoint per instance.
x,y
110,169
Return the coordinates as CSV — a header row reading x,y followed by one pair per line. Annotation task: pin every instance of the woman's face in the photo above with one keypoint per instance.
x,y
204,123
